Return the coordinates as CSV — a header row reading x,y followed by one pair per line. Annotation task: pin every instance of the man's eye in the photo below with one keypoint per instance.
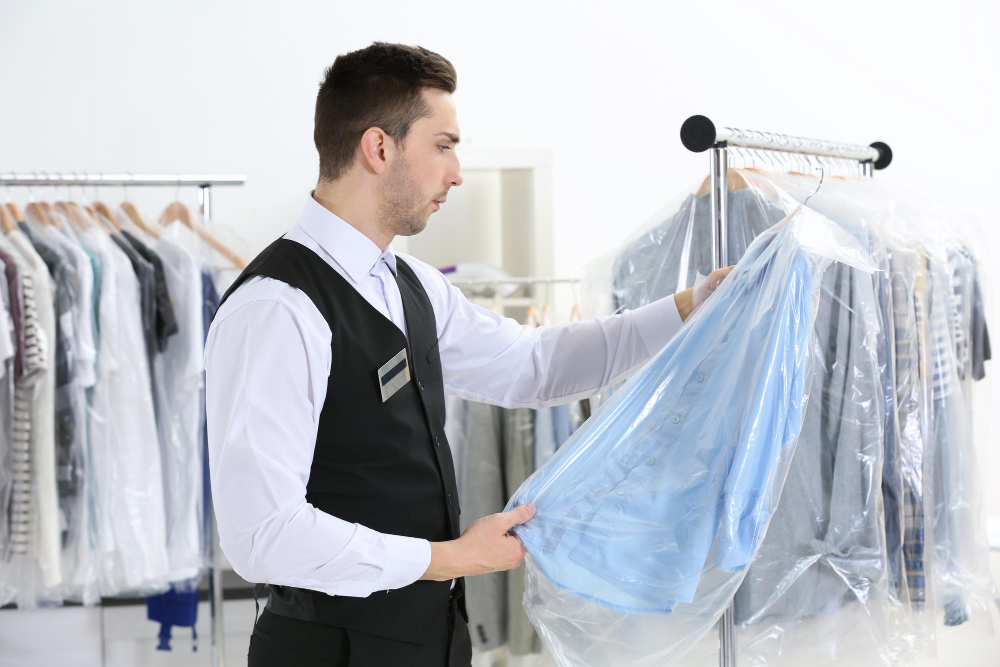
x,y
444,148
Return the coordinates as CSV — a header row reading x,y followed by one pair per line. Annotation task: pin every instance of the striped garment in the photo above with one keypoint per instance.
x,y
21,508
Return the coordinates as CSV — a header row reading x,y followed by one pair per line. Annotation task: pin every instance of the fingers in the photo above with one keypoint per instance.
x,y
519,514
722,273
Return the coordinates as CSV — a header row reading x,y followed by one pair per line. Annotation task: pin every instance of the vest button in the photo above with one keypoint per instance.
x,y
449,497
420,386
437,442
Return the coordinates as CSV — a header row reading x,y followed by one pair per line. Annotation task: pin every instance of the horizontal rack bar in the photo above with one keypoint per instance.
x,y
698,134
100,178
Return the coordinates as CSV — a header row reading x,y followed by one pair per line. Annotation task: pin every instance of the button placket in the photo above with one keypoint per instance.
x,y
640,465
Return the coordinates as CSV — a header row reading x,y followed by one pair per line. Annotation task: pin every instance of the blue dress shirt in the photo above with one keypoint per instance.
x,y
678,474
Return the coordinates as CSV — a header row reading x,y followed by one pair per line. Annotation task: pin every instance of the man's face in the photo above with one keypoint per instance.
x,y
419,177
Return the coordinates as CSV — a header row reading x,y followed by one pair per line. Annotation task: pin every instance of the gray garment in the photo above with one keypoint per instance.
x,y
981,351
668,257
953,518
70,401
482,492
825,545
519,463
830,515
545,439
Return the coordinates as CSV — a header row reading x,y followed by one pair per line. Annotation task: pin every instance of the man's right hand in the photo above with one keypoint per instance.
x,y
485,546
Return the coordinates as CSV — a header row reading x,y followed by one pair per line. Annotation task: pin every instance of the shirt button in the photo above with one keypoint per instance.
x,y
649,461
700,377
620,492
675,418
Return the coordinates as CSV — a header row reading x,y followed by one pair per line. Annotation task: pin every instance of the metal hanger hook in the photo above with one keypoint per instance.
x,y
821,175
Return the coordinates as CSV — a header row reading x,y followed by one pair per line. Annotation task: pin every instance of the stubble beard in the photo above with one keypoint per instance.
x,y
401,207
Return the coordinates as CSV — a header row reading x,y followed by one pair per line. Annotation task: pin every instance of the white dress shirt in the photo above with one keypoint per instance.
x,y
268,360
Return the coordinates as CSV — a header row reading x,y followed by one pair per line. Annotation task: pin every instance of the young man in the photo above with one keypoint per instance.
x,y
326,368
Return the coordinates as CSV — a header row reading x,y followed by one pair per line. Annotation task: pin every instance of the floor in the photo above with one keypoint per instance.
x,y
122,637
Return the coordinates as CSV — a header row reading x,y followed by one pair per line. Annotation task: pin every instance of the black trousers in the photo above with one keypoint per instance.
x,y
278,640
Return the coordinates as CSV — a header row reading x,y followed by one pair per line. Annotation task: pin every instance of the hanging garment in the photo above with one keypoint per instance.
x,y
22,508
648,516
126,454
478,448
909,401
71,268
519,464
179,368
210,306
669,254
40,567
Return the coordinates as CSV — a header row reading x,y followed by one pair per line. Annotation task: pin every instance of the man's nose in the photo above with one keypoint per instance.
x,y
456,177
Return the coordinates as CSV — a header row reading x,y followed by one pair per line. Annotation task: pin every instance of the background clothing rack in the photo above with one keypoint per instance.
x,y
204,183
699,134
499,302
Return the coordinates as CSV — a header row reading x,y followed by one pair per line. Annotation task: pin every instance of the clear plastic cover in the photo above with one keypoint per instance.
x,y
648,517
877,546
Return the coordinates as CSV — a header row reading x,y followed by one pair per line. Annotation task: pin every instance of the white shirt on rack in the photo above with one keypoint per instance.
x,y
268,360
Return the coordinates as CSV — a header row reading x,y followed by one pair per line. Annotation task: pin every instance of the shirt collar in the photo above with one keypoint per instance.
x,y
352,250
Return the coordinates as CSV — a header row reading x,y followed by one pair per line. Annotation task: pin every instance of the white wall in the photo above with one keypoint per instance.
x,y
229,87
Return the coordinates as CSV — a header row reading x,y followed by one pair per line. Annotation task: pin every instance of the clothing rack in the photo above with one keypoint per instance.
x,y
204,183
698,134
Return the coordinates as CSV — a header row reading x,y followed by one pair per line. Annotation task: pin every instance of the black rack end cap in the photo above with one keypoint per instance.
x,y
698,134
884,154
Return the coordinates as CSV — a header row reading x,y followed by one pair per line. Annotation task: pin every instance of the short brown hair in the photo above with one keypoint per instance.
x,y
377,86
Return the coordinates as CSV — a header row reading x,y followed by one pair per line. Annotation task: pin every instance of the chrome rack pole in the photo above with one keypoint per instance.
x,y
719,185
699,134
214,572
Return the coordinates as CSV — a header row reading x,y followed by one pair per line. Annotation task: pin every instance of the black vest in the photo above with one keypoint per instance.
x,y
387,466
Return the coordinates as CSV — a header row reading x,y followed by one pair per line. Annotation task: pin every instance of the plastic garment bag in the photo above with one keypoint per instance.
x,y
820,584
179,370
130,527
649,515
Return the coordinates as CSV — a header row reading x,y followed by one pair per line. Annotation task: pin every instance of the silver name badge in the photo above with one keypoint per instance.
x,y
393,375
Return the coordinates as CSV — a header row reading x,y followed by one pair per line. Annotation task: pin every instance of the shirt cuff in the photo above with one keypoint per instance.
x,y
657,323
406,560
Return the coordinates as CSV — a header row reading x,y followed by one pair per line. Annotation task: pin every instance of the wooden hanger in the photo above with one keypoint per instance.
x,y
88,215
62,207
179,211
75,214
133,213
736,180
531,317
15,212
50,210
744,179
109,217
35,209
6,220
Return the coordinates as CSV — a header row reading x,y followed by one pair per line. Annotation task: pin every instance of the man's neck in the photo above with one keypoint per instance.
x,y
358,214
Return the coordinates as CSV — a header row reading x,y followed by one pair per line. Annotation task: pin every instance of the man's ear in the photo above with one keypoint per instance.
x,y
374,145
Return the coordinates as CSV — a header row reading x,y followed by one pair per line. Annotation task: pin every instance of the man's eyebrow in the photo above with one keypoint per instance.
x,y
452,137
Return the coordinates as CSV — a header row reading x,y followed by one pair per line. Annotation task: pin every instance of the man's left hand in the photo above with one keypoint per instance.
x,y
693,297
